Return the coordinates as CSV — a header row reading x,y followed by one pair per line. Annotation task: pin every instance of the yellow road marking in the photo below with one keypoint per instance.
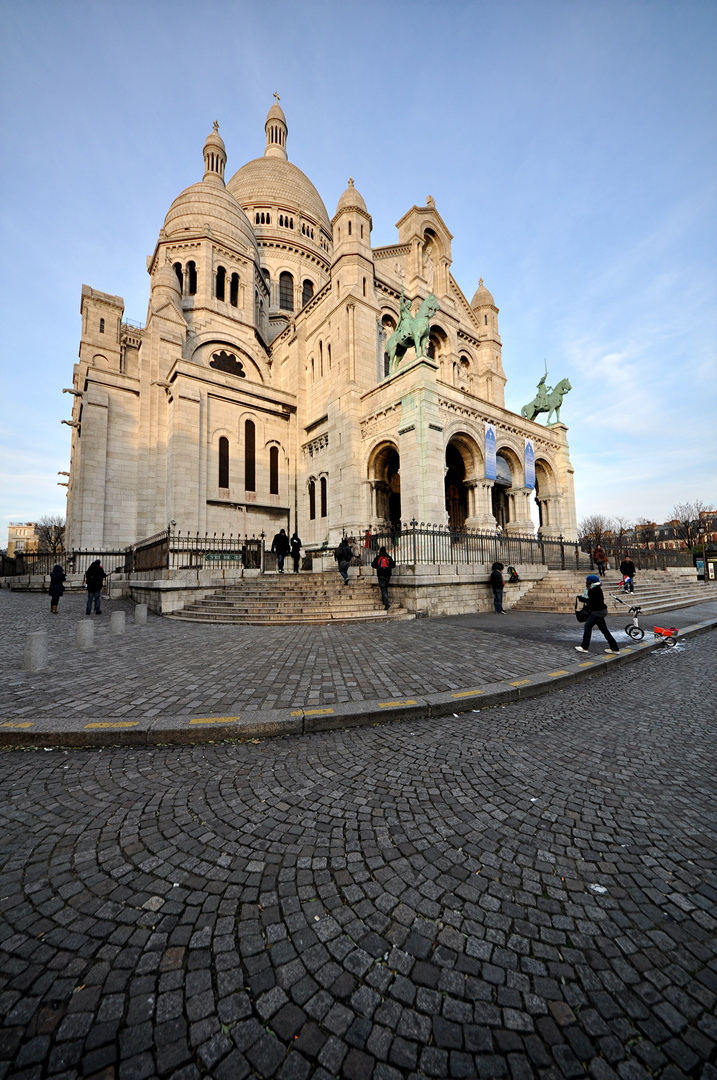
x,y
520,682
466,693
393,704
627,650
554,673
317,712
118,724
296,712
17,723
586,663
215,720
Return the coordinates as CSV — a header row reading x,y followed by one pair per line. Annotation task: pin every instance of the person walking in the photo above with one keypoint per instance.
x,y
497,585
595,602
343,557
57,576
280,544
295,543
383,564
94,579
600,560
627,569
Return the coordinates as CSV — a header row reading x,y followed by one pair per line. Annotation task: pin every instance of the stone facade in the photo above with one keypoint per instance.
x,y
257,396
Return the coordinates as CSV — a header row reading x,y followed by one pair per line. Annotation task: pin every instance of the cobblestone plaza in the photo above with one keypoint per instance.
x,y
528,891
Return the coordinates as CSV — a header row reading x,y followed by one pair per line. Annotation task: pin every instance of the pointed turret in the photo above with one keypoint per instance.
x,y
276,131
215,157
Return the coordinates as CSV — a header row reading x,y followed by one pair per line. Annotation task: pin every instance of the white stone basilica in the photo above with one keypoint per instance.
x,y
258,396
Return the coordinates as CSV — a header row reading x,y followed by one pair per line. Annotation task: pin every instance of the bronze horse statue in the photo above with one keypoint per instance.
x,y
547,403
413,331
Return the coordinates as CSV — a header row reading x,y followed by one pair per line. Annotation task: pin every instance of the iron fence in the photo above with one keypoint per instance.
x,y
645,558
196,552
419,543
72,562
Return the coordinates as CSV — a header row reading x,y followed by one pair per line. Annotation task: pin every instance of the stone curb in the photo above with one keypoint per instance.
x,y
55,733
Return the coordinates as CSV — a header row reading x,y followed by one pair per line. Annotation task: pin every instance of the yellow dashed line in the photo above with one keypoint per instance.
x,y
215,720
317,712
586,663
393,704
17,723
296,712
520,682
466,693
117,724
552,674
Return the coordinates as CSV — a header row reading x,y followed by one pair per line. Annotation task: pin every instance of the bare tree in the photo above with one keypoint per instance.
x,y
51,533
645,531
620,525
687,516
593,529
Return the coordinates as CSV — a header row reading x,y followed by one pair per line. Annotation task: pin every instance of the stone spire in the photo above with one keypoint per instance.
x,y
276,131
215,157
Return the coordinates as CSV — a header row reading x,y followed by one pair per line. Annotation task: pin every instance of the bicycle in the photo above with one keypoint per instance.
x,y
635,631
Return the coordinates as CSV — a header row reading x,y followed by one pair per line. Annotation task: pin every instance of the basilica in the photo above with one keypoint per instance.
x,y
261,393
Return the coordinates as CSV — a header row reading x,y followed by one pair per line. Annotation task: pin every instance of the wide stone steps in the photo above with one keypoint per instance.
x,y
654,592
288,599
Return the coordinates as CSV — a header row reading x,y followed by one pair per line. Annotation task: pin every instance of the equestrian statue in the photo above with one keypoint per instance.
x,y
412,331
547,400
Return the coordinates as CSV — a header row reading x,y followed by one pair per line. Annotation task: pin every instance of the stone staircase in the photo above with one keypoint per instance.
x,y
655,591
275,599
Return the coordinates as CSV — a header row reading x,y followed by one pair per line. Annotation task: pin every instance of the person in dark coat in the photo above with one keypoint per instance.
x,y
383,564
343,556
627,569
280,544
57,576
497,585
595,602
600,560
296,551
94,579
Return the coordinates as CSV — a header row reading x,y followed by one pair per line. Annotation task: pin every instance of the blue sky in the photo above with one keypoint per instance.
x,y
570,148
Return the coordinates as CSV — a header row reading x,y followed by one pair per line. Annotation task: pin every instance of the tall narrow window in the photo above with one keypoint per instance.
x,y
178,272
102,326
364,286
323,496
485,320
349,228
307,292
223,462
221,281
234,290
312,500
273,470
286,291
192,276
250,456
328,350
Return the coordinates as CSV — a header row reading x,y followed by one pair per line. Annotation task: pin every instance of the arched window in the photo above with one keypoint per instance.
x,y
281,219
328,350
312,500
192,275
307,292
234,290
178,271
257,220
223,462
102,326
291,223
268,219
364,286
362,232
220,283
286,291
349,228
323,496
485,320
249,456
273,470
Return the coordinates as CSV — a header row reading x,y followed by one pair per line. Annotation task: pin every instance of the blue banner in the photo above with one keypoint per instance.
x,y
529,463
490,444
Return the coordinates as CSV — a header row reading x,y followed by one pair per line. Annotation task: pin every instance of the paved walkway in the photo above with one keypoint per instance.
x,y
523,894
171,673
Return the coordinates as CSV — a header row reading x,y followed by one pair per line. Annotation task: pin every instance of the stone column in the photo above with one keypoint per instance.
x,y
481,493
550,517
520,519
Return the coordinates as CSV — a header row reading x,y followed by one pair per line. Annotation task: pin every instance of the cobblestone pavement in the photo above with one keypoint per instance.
x,y
170,667
523,892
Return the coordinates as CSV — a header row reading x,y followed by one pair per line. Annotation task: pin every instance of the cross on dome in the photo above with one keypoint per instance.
x,y
276,95
216,125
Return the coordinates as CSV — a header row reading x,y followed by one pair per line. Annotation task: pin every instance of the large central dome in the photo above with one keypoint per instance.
x,y
271,180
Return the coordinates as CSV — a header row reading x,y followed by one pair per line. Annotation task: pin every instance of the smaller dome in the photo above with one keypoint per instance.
x,y
481,297
276,112
166,278
207,205
351,199
215,139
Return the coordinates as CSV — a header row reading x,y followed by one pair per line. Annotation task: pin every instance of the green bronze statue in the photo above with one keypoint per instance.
x,y
547,400
412,331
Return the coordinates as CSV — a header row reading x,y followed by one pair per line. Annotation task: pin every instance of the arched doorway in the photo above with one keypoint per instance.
x,y
456,492
501,486
385,475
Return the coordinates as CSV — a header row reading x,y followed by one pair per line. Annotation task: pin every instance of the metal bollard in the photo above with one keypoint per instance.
x,y
85,634
140,614
35,654
117,622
